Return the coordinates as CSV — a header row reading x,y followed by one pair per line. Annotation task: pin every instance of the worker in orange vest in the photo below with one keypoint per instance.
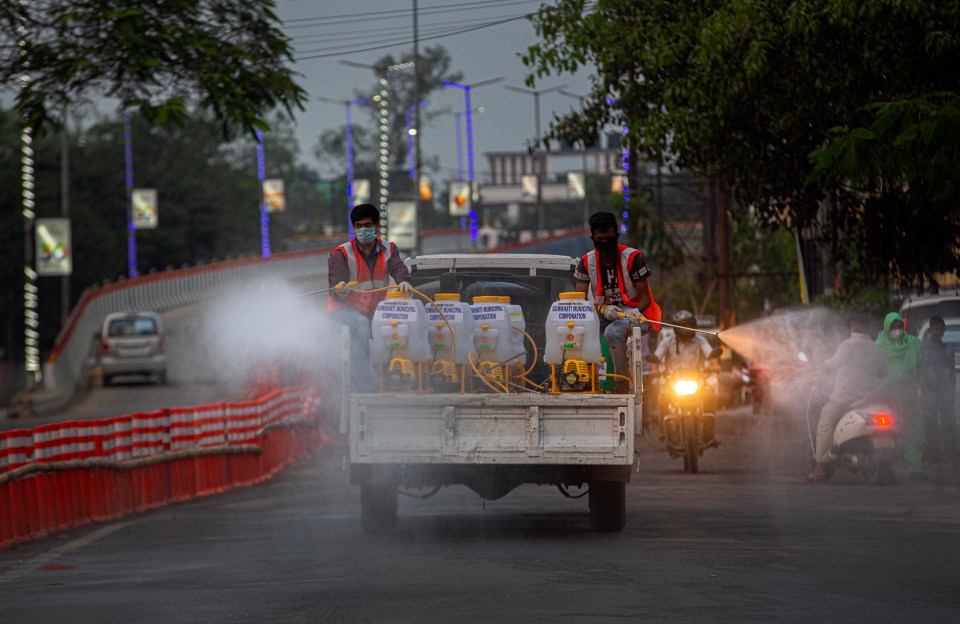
x,y
358,272
617,277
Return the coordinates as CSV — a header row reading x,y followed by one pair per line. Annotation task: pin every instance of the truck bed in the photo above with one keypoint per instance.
x,y
491,429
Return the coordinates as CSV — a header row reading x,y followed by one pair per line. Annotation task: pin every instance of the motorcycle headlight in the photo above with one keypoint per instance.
x,y
685,387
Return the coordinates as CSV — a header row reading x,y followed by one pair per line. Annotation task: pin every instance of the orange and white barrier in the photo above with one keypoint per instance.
x,y
61,475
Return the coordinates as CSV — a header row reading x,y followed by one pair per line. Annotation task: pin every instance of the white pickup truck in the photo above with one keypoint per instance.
x,y
493,442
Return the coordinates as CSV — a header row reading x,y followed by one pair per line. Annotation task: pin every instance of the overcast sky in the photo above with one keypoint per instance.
x,y
485,53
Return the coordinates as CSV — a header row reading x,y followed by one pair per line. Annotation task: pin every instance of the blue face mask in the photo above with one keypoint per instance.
x,y
366,235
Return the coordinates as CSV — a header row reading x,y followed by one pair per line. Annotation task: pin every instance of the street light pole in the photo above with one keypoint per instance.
x,y
583,154
468,113
347,104
536,93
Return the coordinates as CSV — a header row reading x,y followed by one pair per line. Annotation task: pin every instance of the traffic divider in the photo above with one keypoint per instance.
x,y
57,476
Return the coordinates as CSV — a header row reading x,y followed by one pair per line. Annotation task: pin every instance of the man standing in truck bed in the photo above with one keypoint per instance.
x,y
617,277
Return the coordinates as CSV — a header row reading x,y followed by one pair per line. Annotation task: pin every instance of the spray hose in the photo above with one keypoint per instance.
x,y
644,319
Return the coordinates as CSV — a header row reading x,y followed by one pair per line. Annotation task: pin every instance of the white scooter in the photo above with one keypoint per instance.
x,y
865,441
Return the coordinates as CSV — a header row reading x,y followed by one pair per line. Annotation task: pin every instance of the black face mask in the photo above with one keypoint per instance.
x,y
607,247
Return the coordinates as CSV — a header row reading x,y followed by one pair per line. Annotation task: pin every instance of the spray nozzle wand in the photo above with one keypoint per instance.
x,y
351,284
644,319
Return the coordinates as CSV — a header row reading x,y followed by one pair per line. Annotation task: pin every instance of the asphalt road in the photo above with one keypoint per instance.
x,y
743,541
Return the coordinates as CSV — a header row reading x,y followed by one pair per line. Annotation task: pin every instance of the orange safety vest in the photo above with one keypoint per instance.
x,y
365,302
628,291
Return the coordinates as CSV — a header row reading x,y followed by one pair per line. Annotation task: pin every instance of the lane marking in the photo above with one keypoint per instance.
x,y
35,563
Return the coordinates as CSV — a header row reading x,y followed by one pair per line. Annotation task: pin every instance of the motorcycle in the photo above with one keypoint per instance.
x,y
686,428
865,441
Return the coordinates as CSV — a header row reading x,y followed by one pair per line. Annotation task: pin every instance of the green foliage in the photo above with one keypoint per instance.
x,y
901,170
225,57
743,91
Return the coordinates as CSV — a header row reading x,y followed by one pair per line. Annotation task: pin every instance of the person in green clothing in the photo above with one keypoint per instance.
x,y
903,353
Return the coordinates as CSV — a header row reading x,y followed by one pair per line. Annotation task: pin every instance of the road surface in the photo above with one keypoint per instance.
x,y
743,541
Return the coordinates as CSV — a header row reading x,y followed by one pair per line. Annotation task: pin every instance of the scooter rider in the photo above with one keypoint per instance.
x,y
617,276
857,368
364,263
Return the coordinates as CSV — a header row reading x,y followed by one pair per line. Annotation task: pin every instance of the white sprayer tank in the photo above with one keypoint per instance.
x,y
516,320
400,330
460,316
572,330
492,329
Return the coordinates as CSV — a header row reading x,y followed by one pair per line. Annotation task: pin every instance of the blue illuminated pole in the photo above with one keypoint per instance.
x,y
128,178
264,216
625,155
468,116
625,161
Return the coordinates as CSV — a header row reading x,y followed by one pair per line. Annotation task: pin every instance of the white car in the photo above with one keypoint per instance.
x,y
132,343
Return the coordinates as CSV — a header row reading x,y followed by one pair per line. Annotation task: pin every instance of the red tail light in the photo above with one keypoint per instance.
x,y
160,345
883,420
104,347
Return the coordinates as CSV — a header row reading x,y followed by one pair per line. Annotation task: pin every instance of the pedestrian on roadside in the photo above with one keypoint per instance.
x,y
904,353
938,382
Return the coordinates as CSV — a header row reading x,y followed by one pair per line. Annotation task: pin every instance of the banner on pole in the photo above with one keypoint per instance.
x,y
402,217
617,183
575,185
54,254
273,195
426,188
144,208
528,188
361,191
461,201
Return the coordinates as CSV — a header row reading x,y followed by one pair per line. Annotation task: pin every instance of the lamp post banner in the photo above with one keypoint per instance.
x,y
361,191
575,185
402,216
144,208
273,195
54,250
528,188
461,202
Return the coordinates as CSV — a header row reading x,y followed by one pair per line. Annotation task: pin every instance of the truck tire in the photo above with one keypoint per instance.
x,y
378,508
608,506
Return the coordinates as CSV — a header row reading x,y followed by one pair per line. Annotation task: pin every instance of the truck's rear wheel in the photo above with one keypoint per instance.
x,y
378,507
608,506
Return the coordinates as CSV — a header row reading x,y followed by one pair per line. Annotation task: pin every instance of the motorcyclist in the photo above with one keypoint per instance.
x,y
684,349
856,368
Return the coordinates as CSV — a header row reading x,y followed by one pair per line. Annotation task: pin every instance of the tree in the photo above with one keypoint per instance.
x,y
902,168
224,57
743,91
434,70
